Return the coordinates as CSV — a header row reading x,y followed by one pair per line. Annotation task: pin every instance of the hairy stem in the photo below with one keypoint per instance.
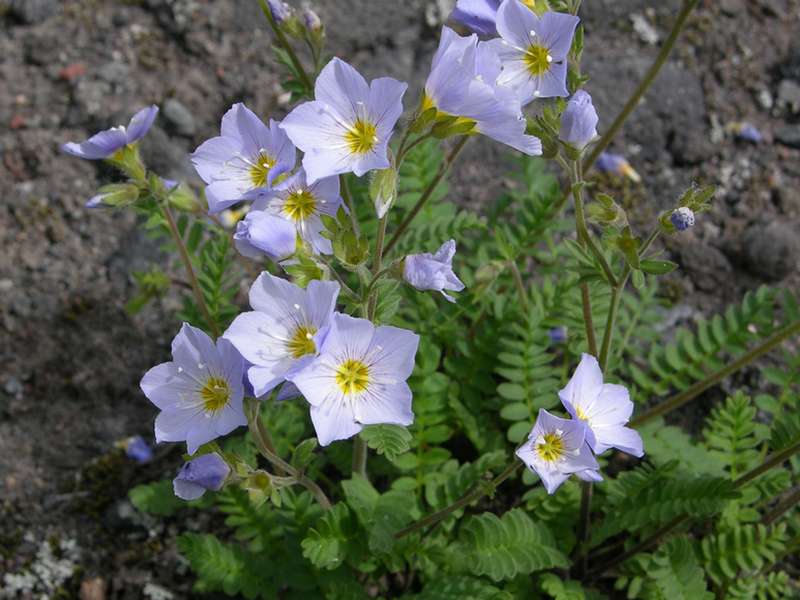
x,y
644,84
426,194
284,43
187,264
588,323
698,388
520,285
584,526
476,492
348,202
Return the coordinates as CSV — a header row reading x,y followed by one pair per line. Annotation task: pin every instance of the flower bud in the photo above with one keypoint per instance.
x,y
682,218
383,190
206,472
280,11
311,20
433,271
579,121
138,450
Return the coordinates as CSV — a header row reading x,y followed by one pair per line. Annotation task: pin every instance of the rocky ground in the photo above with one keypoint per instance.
x,y
71,357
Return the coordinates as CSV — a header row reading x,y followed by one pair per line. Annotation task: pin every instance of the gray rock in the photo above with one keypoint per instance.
x,y
179,117
789,95
114,72
708,268
789,135
772,251
13,387
34,11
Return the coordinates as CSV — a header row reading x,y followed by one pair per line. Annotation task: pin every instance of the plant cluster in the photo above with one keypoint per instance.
x,y
365,440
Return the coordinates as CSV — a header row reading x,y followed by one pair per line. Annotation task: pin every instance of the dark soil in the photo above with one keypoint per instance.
x,y
71,357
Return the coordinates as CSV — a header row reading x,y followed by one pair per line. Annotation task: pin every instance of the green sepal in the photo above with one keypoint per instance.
x,y
629,245
128,161
119,194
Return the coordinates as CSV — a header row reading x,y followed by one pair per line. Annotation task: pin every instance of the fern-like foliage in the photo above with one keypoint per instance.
x,y
733,435
694,354
745,550
771,586
461,587
502,548
647,497
671,573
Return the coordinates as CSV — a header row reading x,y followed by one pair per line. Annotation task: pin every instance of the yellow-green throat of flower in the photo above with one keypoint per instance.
x,y
352,376
302,341
215,394
362,137
537,60
259,170
550,446
299,205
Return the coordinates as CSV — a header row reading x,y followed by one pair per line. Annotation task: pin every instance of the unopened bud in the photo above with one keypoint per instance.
x,y
311,20
682,218
280,11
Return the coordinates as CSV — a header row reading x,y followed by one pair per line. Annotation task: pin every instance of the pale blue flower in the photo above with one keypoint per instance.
x,y
347,127
605,408
138,450
359,378
199,393
302,204
206,472
609,162
433,271
283,331
106,143
478,15
556,448
245,158
533,50
462,83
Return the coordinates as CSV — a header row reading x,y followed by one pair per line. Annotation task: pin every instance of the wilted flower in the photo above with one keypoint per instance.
x,y
284,330
302,204
579,121
206,472
263,234
682,218
433,271
348,125
246,157
199,393
106,143
359,378
604,407
533,50
608,162
462,84
556,448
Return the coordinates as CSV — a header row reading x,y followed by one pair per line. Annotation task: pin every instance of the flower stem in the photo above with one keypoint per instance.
x,y
267,449
187,264
644,84
348,202
359,457
427,193
476,492
304,78
782,507
698,388
584,526
520,285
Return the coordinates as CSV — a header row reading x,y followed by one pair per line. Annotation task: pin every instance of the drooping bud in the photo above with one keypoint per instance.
x,y
206,472
682,218
262,234
383,190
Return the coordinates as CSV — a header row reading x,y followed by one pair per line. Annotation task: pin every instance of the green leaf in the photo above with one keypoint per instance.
x,y
156,498
507,546
657,267
326,544
304,453
389,440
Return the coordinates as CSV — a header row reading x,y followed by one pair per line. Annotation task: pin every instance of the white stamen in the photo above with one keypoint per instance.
x,y
537,93
549,58
200,365
533,33
180,369
309,336
297,307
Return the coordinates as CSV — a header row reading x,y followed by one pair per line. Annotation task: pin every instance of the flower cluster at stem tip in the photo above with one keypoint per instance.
x,y
351,371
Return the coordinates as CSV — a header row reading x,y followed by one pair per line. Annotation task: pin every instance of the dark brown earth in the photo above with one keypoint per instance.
x,y
71,357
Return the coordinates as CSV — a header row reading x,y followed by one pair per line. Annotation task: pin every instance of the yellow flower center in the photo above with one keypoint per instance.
x,y
215,394
362,137
550,447
302,341
260,169
300,205
581,415
537,60
530,4
352,376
